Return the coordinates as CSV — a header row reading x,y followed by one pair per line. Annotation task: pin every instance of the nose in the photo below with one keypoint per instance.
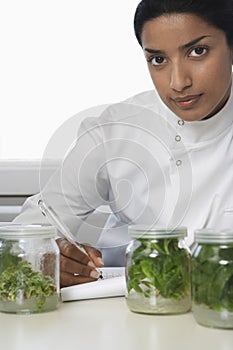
x,y
180,78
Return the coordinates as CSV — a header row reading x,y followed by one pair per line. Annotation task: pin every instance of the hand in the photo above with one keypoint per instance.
x,y
75,266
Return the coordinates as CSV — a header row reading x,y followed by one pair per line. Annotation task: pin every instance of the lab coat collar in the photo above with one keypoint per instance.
x,y
199,131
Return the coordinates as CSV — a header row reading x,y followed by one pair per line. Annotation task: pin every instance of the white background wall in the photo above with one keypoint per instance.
x,y
59,57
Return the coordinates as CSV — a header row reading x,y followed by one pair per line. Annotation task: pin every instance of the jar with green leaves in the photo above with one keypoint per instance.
x,y
212,278
158,265
29,269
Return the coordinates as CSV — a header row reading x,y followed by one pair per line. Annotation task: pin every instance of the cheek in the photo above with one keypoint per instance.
x,y
217,71
218,80
160,81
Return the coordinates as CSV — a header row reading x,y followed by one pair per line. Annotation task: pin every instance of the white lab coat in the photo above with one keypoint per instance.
x,y
147,166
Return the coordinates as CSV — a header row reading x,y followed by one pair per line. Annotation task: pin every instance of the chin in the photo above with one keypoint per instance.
x,y
191,116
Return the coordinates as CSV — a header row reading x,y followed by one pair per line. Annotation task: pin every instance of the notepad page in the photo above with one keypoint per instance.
x,y
111,272
113,284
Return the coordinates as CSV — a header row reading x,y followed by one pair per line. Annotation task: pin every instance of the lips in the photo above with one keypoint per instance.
x,y
187,102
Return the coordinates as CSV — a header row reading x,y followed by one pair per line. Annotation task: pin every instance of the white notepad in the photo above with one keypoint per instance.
x,y
113,284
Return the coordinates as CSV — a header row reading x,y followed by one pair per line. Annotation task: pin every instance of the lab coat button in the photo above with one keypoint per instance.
x,y
180,122
178,138
178,162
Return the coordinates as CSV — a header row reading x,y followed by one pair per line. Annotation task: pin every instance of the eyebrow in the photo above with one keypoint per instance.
x,y
185,46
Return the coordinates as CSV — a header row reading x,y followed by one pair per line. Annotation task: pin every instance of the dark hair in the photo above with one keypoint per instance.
x,y
218,13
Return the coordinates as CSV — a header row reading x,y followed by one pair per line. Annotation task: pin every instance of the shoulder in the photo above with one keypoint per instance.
x,y
125,110
147,99
131,107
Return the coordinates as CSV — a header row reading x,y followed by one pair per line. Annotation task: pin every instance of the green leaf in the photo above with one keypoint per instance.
x,y
162,266
20,280
212,277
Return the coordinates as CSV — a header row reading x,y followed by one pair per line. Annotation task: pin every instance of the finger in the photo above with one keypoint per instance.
x,y
95,255
73,267
67,279
71,251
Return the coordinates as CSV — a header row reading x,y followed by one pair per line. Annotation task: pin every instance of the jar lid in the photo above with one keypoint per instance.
x,y
146,231
15,231
213,236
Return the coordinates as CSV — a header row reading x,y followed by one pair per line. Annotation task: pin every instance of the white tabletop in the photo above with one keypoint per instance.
x,y
107,324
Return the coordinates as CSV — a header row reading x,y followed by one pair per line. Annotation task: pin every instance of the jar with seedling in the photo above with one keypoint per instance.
x,y
29,269
212,278
158,265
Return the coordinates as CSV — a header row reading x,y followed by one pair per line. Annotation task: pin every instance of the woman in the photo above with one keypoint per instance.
x,y
163,157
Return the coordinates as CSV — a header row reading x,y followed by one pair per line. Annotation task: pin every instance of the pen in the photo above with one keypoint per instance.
x,y
51,214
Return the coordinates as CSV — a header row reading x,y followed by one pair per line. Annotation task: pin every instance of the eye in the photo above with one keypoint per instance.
x,y
198,51
156,60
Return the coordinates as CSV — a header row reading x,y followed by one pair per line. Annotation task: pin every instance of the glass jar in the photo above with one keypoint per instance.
x,y
29,269
158,265
212,278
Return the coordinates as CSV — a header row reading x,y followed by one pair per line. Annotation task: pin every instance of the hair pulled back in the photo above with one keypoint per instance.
x,y
218,13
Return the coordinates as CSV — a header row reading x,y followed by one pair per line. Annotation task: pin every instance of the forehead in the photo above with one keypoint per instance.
x,y
177,29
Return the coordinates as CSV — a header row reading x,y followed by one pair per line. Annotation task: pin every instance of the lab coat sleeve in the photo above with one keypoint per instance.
x,y
77,188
